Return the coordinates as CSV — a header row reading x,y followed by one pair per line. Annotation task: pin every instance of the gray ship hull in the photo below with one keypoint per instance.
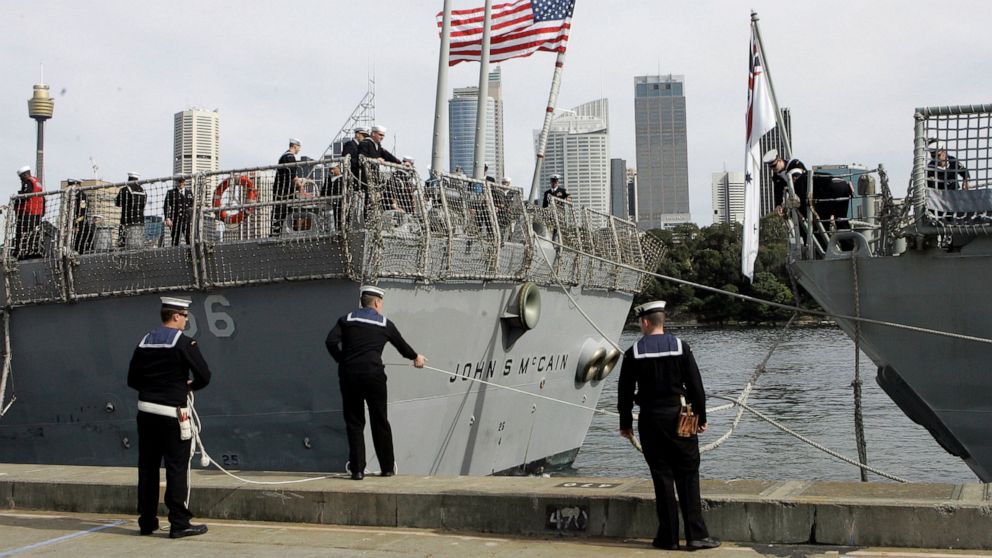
x,y
274,403
940,382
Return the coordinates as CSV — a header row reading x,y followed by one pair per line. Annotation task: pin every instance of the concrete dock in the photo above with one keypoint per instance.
x,y
847,515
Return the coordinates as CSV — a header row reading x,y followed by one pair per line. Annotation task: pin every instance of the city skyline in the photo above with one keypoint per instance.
x,y
115,105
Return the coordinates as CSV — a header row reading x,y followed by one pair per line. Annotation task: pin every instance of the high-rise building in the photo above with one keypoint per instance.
x,y
728,197
197,141
618,188
772,140
632,194
462,109
661,150
578,150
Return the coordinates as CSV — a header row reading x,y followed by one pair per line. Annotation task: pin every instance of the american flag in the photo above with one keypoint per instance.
x,y
761,118
517,29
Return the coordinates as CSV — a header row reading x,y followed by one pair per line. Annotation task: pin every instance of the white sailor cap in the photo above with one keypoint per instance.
x,y
408,160
133,176
361,130
770,156
507,180
936,145
379,129
649,308
555,177
23,170
370,290
294,141
334,164
175,303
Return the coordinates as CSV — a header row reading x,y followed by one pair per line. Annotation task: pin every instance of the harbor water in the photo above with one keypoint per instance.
x,y
807,387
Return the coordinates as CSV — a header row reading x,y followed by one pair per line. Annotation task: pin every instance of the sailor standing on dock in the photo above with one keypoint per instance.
x,y
160,370
661,369
356,344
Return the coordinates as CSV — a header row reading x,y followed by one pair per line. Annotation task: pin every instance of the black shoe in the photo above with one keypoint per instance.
x,y
191,531
145,532
357,475
662,546
387,473
701,544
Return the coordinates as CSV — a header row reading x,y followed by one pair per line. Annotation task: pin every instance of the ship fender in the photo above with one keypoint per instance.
x,y
609,362
592,357
524,310
251,196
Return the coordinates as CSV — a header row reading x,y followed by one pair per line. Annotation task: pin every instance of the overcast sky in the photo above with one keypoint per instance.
x,y
852,72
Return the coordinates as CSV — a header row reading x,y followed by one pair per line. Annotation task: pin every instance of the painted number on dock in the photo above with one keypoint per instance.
x,y
567,518
587,485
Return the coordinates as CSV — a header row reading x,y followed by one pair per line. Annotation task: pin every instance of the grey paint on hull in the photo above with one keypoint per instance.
x,y
274,403
949,380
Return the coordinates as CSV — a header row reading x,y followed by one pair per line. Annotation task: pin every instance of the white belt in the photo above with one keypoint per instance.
x,y
163,410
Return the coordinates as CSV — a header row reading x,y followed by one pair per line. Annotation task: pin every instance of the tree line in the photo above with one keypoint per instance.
x,y
711,256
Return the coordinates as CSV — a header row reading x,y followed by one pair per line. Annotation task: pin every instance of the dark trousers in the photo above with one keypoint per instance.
x,y
181,229
158,440
674,464
356,391
279,213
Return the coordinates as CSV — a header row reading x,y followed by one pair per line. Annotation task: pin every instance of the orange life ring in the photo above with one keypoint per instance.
x,y
251,196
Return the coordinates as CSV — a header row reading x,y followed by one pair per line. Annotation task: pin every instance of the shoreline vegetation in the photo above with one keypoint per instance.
x,y
712,256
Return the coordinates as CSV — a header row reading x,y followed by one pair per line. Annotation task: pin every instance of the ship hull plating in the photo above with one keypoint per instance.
x,y
274,402
940,382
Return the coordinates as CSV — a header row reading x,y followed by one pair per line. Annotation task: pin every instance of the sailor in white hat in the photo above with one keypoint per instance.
x,y
555,191
371,147
131,198
356,344
28,211
165,367
350,148
287,183
659,372
781,169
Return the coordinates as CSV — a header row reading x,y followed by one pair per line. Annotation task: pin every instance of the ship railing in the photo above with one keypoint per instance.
x,y
239,228
842,211
949,189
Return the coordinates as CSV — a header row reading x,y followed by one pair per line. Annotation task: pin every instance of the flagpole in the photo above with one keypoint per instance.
x,y
440,114
480,111
549,112
779,121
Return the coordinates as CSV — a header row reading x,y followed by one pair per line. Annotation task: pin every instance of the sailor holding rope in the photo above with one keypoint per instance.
x,y
160,370
662,370
356,344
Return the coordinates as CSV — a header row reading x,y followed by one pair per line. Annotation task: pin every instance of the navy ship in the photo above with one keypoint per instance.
x,y
921,261
471,275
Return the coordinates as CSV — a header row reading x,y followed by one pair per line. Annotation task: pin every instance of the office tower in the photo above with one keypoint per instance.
x,y
578,150
618,188
461,127
197,141
772,140
632,194
728,197
661,150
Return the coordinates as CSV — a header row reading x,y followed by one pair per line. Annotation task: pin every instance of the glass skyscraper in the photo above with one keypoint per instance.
x,y
461,127
661,151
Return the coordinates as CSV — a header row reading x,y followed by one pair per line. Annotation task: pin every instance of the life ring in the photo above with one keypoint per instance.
x,y
251,195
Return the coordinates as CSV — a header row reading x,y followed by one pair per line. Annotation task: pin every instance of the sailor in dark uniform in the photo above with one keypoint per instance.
x,y
658,372
943,170
131,198
178,211
371,148
350,148
285,185
82,227
831,194
555,192
356,344
160,370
